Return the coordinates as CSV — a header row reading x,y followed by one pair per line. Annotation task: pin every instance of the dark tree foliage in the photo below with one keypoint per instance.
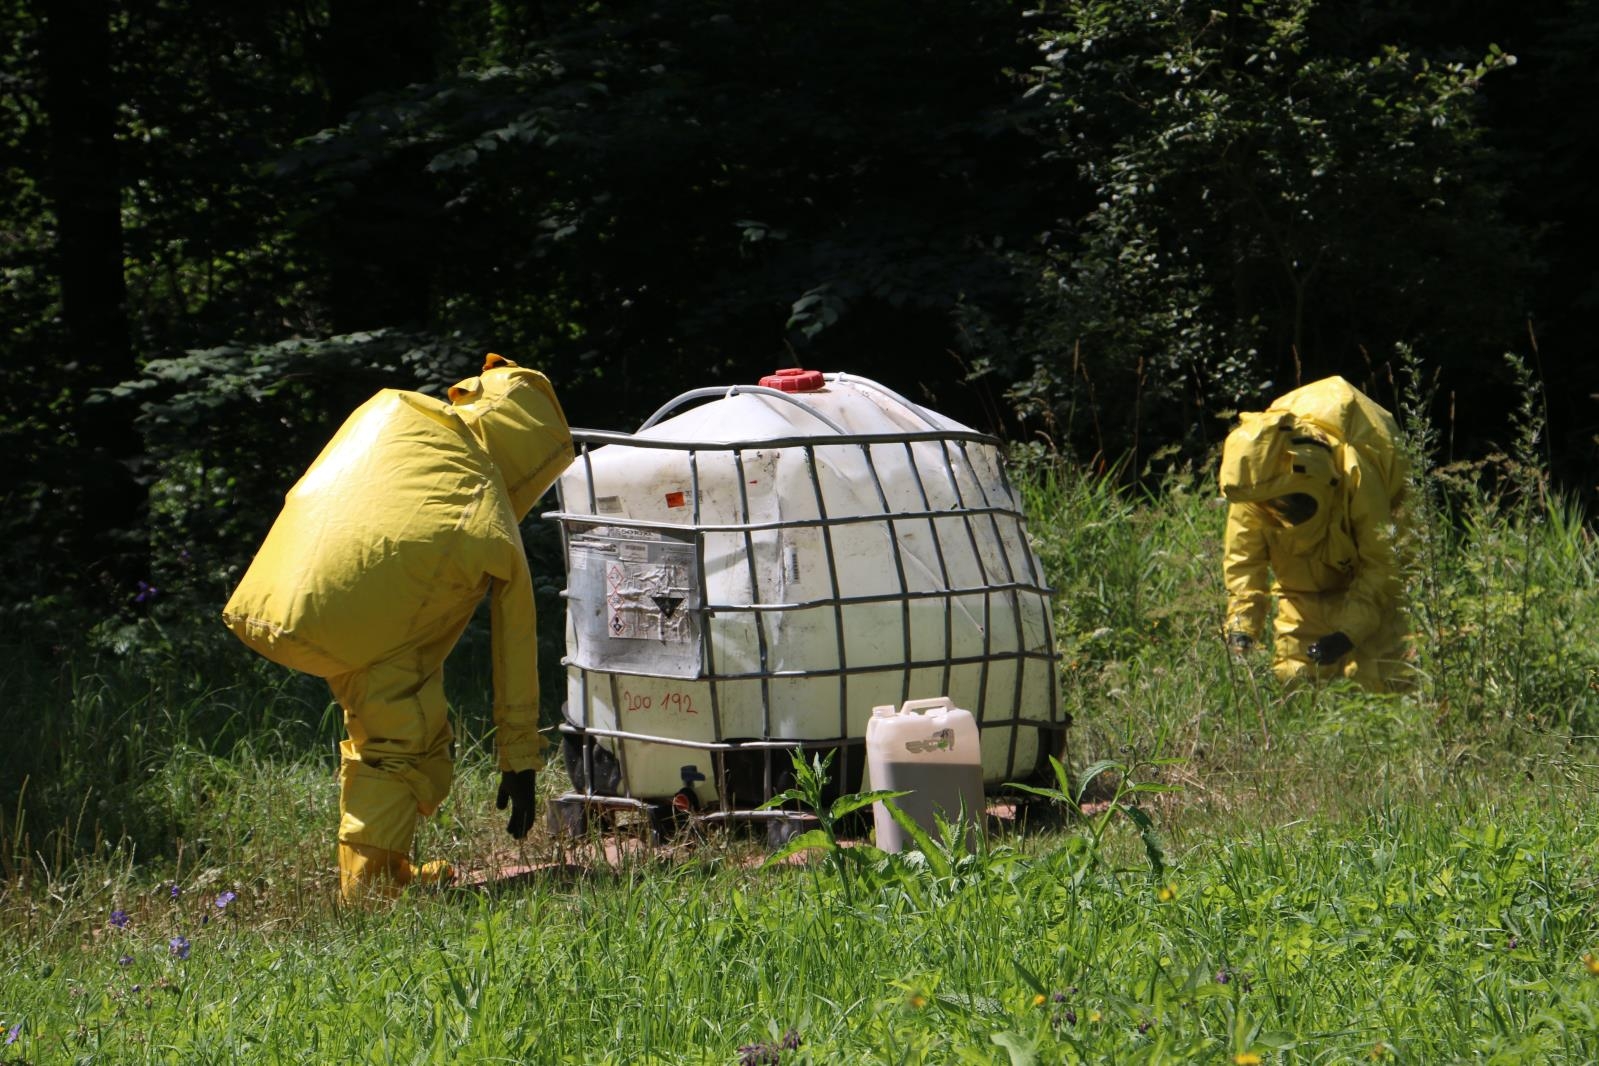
x,y
1268,205
139,226
670,193
1534,117
225,225
637,203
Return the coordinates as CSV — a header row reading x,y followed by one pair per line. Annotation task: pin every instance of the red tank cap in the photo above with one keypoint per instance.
x,y
794,379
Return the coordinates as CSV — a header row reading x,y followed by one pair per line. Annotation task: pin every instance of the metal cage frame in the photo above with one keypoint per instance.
x,y
1019,578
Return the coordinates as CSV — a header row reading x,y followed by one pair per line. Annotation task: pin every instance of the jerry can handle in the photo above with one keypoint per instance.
x,y
942,703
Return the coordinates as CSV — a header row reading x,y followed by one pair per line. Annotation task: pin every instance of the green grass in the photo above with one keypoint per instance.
x,y
1442,931
1345,878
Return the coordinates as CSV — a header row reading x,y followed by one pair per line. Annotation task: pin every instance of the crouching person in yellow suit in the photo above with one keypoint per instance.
x,y
1314,485
371,572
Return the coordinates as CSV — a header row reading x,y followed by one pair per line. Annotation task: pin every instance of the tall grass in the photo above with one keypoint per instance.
x,y
1442,932
1502,573
1346,876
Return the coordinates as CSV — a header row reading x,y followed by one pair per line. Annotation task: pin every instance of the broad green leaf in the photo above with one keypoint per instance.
x,y
810,840
1022,1052
855,801
936,859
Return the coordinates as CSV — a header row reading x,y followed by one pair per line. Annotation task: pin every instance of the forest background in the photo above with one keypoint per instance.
x,y
1094,229
1102,227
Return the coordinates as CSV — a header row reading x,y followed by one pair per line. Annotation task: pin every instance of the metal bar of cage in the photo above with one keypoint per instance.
x,y
835,671
979,712
809,452
1016,607
763,527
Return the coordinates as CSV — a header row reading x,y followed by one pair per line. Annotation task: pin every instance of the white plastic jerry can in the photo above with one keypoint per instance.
x,y
929,747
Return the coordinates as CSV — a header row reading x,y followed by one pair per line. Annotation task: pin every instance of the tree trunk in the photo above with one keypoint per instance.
x,y
85,191
378,235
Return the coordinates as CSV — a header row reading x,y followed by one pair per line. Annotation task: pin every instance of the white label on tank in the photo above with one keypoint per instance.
x,y
790,563
633,601
608,505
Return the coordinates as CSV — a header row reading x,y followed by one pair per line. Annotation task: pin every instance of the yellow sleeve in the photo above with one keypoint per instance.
x,y
1246,572
1374,590
516,659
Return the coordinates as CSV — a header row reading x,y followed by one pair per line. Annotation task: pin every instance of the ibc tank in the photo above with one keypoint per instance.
x,y
759,566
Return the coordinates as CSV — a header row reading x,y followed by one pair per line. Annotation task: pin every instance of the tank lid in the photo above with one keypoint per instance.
x,y
794,379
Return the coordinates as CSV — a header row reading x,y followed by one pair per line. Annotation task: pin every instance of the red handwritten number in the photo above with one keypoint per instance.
x,y
682,702
679,701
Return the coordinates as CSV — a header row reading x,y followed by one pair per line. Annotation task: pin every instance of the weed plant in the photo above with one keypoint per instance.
x,y
1241,874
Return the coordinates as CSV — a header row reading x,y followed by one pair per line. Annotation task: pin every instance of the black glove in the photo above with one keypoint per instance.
x,y
1329,649
1240,643
516,788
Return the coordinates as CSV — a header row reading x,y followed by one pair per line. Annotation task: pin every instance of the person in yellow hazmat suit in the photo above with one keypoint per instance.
x,y
1314,485
369,575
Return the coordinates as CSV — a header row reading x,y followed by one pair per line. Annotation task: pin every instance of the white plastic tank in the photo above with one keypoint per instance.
x,y
759,566
929,748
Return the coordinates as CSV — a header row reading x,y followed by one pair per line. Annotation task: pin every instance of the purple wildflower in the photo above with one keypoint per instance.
x,y
119,918
1070,1016
176,891
12,1034
768,1054
1513,943
178,946
146,592
1222,977
1145,1026
125,960
225,899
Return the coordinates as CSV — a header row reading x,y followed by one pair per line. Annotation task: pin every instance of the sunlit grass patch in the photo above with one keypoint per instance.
x,y
1313,876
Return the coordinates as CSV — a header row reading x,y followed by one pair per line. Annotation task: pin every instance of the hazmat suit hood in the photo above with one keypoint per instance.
x,y
1273,454
514,414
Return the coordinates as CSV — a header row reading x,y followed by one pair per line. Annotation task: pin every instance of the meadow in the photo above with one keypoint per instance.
x,y
1323,876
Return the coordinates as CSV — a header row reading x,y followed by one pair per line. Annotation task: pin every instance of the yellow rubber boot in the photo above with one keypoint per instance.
x,y
434,873
368,873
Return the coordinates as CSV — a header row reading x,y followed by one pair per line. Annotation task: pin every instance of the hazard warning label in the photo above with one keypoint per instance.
x,y
633,596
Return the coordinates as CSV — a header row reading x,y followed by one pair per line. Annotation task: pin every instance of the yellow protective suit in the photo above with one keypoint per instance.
x,y
381,554
1335,571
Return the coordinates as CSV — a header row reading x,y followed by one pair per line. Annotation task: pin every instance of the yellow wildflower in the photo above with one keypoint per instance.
x,y
1246,1058
1378,1050
1095,1016
1039,1000
1592,963
917,1000
1167,893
